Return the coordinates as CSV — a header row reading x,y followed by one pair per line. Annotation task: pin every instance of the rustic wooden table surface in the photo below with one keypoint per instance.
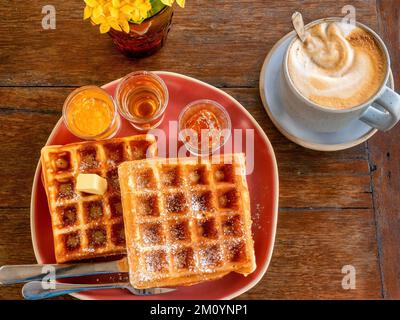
x,y
336,209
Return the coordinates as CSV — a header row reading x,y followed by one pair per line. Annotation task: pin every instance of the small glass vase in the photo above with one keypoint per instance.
x,y
146,38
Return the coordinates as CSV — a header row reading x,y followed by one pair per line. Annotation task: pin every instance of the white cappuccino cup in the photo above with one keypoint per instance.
x,y
338,75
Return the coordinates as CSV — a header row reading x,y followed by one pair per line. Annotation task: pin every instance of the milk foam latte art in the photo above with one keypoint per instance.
x,y
339,66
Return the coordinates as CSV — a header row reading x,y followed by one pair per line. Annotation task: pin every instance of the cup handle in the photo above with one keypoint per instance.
x,y
384,112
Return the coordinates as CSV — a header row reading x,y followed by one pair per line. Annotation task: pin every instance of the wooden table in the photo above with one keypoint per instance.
x,y
336,209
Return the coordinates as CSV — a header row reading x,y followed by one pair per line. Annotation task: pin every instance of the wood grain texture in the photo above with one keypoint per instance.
x,y
222,44
326,217
307,180
307,263
384,158
15,246
389,26
22,137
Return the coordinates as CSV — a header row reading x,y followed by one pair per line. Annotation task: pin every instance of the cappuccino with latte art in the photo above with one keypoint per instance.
x,y
339,65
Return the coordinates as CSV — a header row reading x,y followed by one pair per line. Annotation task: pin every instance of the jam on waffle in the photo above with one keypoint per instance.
x,y
187,220
85,225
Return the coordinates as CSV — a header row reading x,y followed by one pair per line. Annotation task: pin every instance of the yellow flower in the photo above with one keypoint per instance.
x,y
181,3
116,14
87,12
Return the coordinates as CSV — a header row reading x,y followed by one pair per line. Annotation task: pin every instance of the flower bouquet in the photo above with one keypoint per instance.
x,y
137,27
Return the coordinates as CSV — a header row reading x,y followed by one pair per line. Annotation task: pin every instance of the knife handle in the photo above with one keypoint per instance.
x,y
11,274
35,291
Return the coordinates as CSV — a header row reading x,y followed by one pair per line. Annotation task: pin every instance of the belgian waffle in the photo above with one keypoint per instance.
x,y
84,225
187,220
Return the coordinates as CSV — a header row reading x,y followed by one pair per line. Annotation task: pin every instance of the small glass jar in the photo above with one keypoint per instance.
x,y
204,127
90,113
146,38
142,98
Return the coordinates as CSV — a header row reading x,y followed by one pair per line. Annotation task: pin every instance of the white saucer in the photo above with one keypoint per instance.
x,y
357,132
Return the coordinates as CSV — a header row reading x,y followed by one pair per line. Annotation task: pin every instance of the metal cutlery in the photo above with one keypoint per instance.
x,y
298,24
35,290
11,274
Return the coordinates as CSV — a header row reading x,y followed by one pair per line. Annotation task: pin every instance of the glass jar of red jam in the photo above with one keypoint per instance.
x,y
204,127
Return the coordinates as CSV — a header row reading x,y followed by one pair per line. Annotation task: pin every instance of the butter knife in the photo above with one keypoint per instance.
x,y
12,274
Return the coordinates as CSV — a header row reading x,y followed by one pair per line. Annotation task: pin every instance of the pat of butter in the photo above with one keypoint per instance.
x,y
91,183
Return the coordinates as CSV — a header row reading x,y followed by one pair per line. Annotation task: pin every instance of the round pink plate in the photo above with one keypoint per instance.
x,y
262,182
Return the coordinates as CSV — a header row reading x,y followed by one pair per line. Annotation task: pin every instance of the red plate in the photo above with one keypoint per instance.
x,y
263,187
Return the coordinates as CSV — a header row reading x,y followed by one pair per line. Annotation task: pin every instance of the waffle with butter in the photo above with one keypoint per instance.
x,y
86,225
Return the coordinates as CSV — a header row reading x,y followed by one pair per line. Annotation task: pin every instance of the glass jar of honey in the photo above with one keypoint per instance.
x,y
142,99
90,113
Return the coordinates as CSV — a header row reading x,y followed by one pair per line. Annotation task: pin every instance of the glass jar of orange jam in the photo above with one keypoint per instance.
x,y
90,113
204,127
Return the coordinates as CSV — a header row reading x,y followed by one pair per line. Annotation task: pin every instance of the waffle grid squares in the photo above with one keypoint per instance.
x,y
88,226
192,237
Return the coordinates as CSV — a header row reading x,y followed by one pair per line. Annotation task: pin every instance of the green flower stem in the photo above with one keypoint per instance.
x,y
156,7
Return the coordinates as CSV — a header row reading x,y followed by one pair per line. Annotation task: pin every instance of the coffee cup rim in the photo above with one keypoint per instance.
x,y
327,109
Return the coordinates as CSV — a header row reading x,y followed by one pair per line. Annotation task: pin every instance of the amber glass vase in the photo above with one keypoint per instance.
x,y
145,38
